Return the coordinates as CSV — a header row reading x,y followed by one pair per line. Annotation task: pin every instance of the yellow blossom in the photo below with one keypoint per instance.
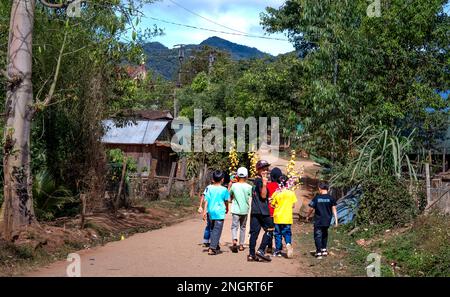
x,y
253,157
233,158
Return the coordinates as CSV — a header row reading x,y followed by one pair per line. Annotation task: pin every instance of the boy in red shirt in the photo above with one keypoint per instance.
x,y
272,186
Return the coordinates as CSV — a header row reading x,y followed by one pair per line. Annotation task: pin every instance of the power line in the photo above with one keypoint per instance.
x,y
243,34
164,51
216,31
209,20
273,38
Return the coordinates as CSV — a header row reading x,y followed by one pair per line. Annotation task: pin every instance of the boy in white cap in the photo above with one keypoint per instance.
x,y
241,193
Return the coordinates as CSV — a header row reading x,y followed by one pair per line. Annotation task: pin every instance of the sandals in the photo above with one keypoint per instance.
x,y
262,256
212,252
241,248
250,258
234,248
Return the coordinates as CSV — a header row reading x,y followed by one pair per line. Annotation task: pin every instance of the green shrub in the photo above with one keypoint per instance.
x,y
181,199
116,159
49,198
151,190
10,251
424,250
386,201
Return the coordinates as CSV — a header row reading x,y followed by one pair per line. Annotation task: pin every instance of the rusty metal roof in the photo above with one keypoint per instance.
x,y
139,132
147,114
154,114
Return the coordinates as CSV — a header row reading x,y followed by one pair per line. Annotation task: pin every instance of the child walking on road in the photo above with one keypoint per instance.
x,y
260,215
272,186
283,200
207,232
324,206
216,206
240,193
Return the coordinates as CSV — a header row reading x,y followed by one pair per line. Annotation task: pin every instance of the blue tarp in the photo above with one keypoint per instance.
x,y
347,206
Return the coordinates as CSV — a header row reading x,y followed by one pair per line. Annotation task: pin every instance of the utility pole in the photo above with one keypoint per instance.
x,y
178,85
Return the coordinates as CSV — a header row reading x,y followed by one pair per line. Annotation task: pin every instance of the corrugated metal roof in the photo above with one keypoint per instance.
x,y
143,132
148,114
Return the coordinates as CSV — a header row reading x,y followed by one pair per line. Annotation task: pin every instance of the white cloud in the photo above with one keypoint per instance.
x,y
219,5
233,20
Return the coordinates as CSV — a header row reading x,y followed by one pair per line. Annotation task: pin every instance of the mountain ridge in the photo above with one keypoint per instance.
x,y
164,61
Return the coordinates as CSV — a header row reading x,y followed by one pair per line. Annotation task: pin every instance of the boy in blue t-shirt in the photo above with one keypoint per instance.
x,y
324,206
216,206
207,231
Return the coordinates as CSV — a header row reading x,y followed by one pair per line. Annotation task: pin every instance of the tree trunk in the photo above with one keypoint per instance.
x,y
122,179
18,201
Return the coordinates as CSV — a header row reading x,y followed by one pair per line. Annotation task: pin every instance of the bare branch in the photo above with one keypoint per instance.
x,y
48,98
55,79
77,50
38,96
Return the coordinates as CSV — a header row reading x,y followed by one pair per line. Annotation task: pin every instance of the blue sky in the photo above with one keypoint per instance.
x,y
241,15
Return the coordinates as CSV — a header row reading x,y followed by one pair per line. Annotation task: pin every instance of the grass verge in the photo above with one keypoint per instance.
x,y
420,249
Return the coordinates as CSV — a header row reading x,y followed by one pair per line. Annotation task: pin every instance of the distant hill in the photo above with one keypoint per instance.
x,y
164,61
237,51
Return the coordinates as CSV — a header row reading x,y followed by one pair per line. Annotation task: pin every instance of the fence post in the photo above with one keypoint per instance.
x,y
200,177
122,179
183,168
153,165
443,162
171,177
192,192
83,210
205,180
427,176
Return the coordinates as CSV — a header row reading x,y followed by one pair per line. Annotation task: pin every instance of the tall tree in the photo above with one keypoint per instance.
x,y
18,203
17,209
358,70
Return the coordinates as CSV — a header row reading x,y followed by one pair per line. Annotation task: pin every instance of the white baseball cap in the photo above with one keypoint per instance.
x,y
242,172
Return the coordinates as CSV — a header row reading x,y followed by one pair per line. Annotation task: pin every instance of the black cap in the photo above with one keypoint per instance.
x,y
275,174
261,164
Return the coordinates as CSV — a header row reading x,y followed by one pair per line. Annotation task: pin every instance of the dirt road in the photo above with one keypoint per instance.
x,y
171,251
177,251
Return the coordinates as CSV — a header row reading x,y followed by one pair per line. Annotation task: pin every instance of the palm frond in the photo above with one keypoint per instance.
x,y
48,197
381,152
